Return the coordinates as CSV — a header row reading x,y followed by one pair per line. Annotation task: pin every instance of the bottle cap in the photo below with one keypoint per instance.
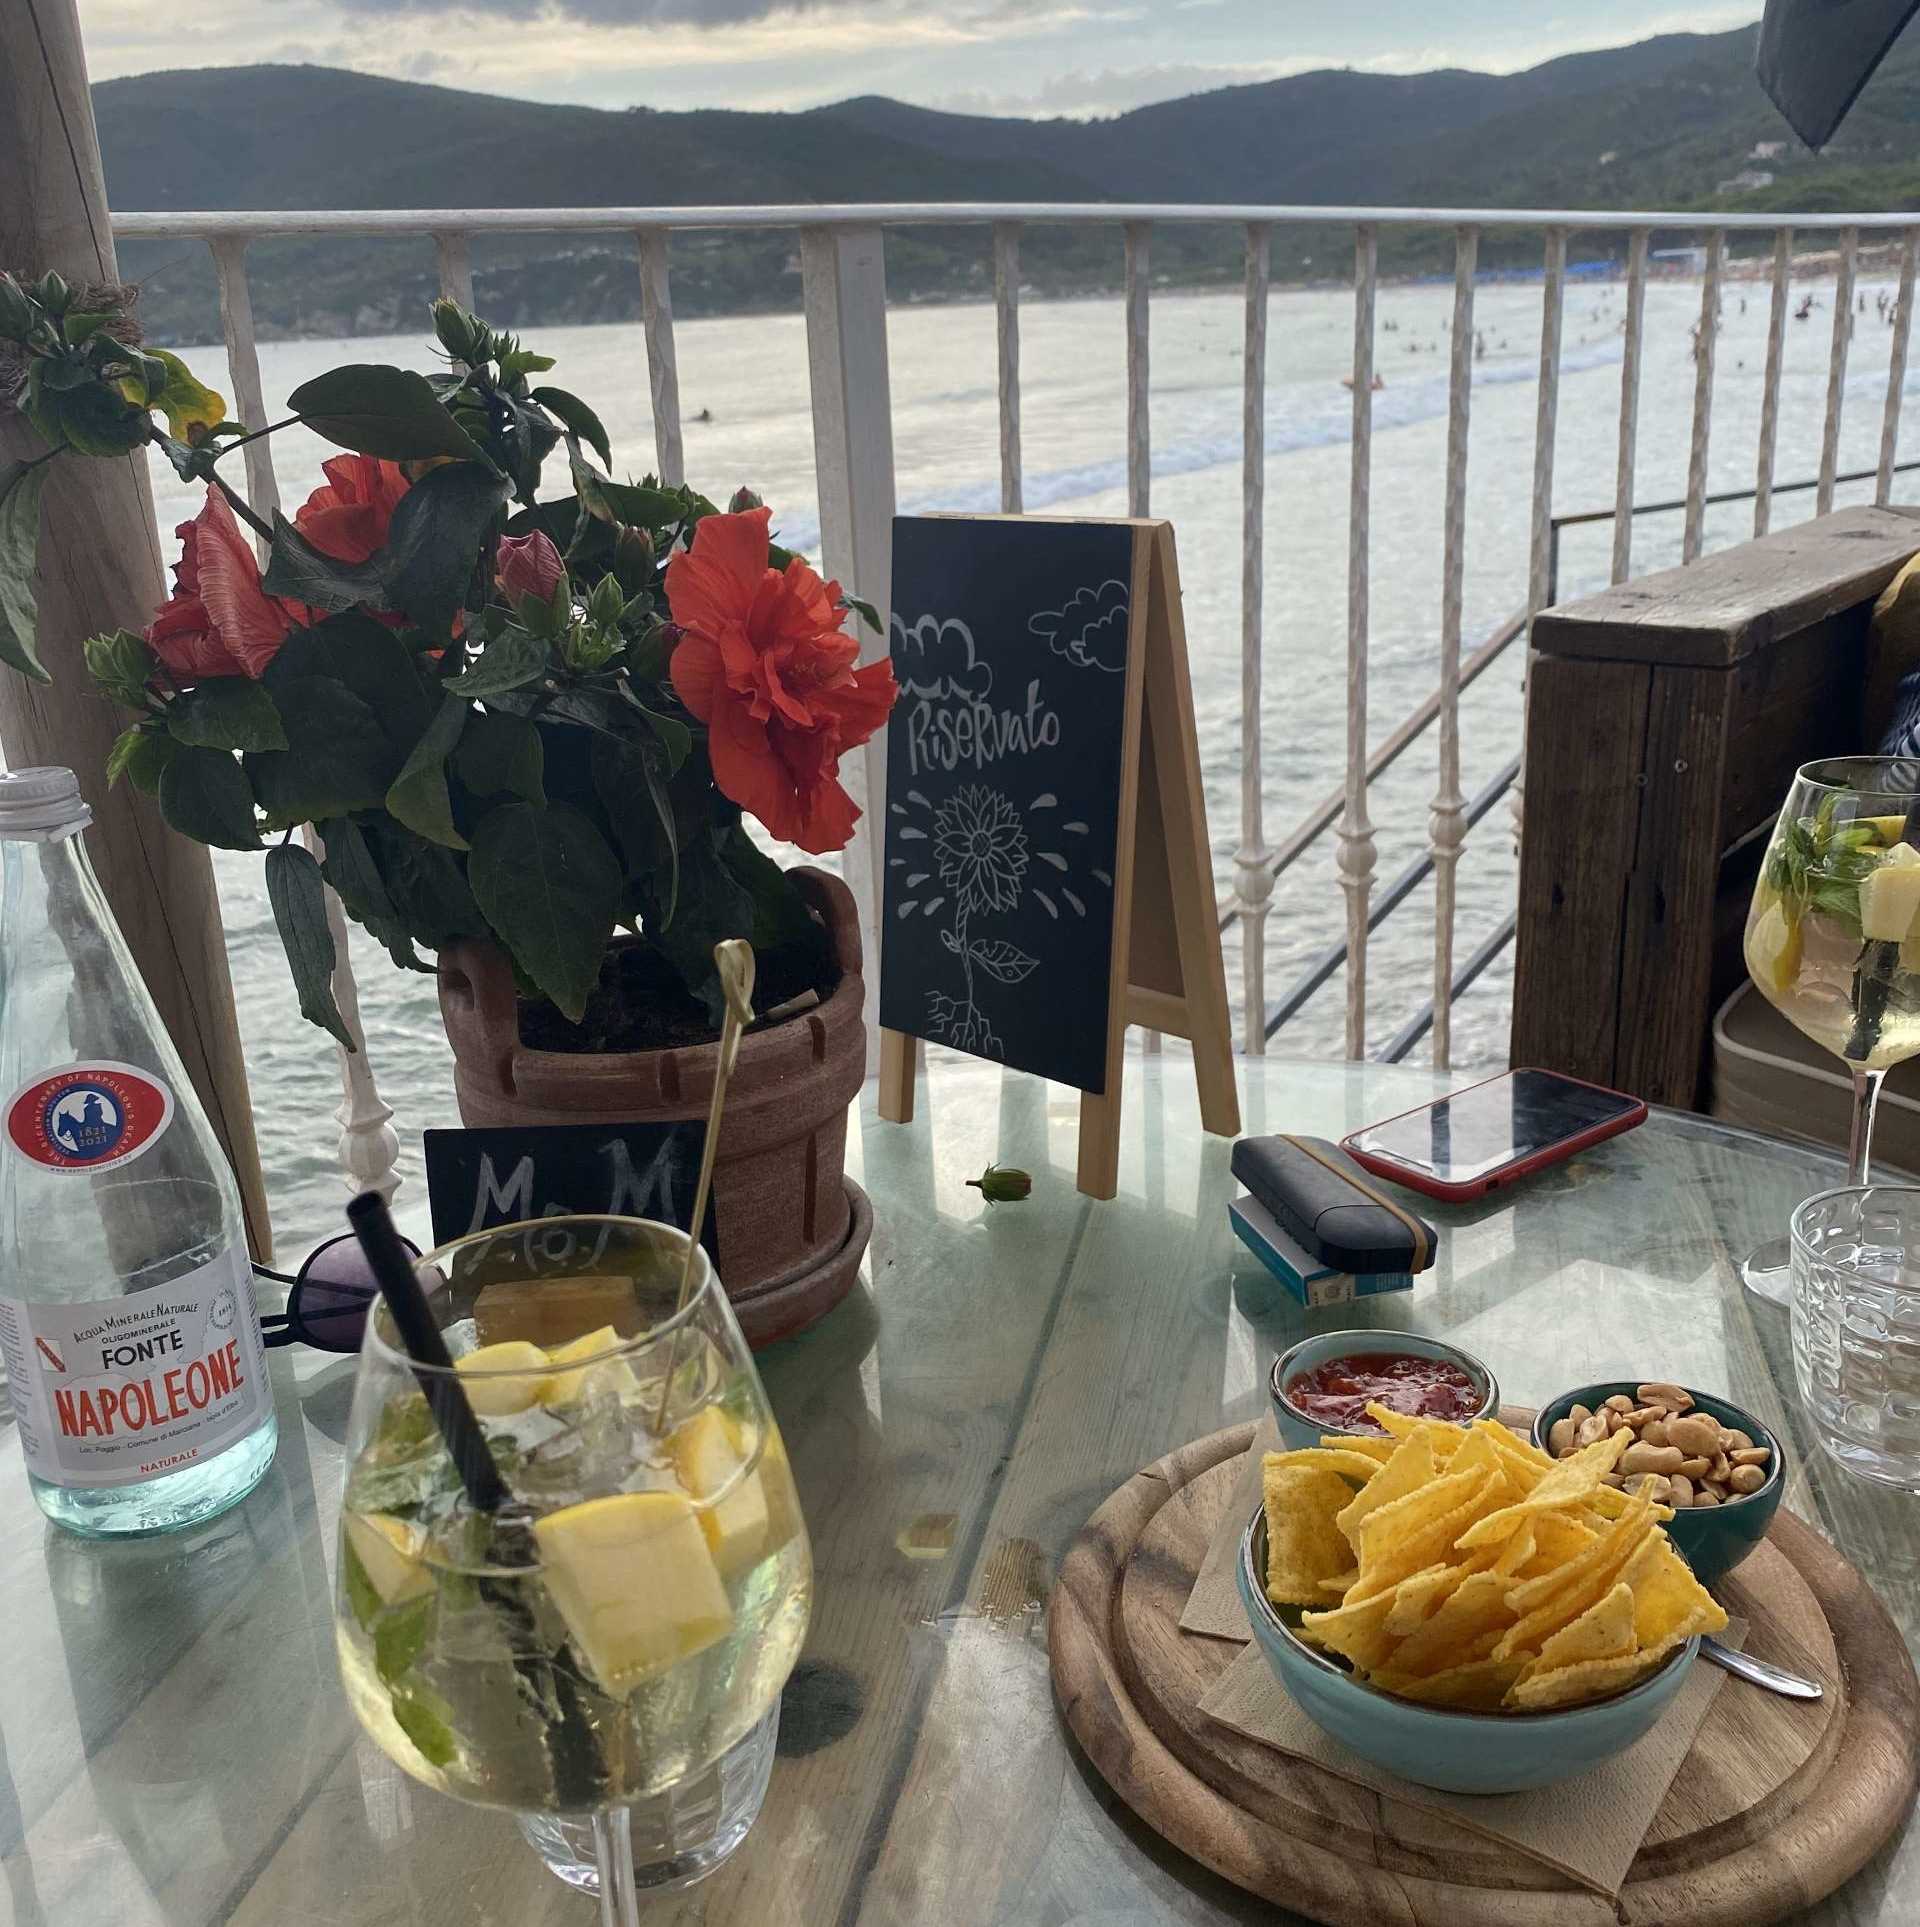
x,y
37,805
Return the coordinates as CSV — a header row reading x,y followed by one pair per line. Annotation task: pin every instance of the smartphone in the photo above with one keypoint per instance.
x,y
1490,1134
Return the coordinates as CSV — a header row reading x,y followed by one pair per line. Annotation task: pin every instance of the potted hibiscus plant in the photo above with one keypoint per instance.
x,y
522,733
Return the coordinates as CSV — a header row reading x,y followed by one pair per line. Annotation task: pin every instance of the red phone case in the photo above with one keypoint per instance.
x,y
1466,1190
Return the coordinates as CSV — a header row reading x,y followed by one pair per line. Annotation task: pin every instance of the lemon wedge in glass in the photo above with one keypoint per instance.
x,y
502,1397
1773,949
708,1453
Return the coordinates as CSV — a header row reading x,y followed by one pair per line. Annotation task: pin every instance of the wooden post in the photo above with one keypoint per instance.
x,y
100,568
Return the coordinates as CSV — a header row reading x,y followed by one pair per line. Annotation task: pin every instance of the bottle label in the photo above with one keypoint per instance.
x,y
113,1391
88,1117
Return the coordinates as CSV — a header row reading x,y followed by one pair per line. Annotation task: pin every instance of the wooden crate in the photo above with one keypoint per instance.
x,y
1665,719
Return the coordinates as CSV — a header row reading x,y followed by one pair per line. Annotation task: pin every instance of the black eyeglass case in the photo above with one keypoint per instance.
x,y
1331,1208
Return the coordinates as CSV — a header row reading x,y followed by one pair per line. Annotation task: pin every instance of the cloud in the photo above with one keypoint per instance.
x,y
936,660
1091,631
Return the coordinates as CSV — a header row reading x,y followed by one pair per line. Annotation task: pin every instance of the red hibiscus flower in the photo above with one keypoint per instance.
x,y
765,664
220,622
348,518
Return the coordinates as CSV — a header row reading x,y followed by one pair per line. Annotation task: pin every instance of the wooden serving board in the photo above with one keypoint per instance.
x,y
1776,1805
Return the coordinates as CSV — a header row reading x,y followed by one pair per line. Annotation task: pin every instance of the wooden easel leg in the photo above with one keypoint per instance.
x,y
1099,1174
896,1076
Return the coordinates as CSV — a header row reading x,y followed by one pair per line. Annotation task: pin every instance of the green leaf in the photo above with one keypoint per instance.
x,y
577,416
141,755
371,661
501,754
673,736
511,661
400,1637
435,541
337,756
121,666
355,873
713,905
643,505
640,807
205,794
299,900
418,795
377,410
77,327
19,546
427,886
70,403
865,611
424,1718
362,1601
228,712
187,404
549,886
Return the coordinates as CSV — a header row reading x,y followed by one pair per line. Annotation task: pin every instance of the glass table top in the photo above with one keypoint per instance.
x,y
175,1749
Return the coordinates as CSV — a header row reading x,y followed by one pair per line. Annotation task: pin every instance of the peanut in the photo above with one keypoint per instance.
x,y
1749,1455
1720,1468
1619,1402
1616,1422
1696,1468
1746,1478
1643,1415
1670,1396
1654,1432
1741,1442
1705,1495
1650,1485
1613,1479
1560,1436
1590,1429
1580,1414
1679,1491
1696,1435
1641,1457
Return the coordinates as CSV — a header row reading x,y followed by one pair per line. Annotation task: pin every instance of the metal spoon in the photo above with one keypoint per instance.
x,y
1776,1679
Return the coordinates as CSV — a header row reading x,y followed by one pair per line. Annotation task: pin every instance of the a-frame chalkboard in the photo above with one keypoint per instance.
x,y
1048,879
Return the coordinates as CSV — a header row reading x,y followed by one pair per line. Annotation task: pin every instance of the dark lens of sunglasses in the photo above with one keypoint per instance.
x,y
336,1289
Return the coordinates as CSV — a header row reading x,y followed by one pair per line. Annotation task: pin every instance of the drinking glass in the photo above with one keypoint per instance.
x,y
1856,1326
603,1655
1833,939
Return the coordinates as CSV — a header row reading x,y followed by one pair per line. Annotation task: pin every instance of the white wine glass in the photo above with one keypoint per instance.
x,y
602,1654
1833,939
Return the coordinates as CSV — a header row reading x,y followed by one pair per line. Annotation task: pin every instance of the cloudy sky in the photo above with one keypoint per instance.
x,y
986,56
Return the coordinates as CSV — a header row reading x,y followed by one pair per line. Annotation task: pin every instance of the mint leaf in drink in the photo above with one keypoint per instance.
x,y
400,1637
423,1717
362,1600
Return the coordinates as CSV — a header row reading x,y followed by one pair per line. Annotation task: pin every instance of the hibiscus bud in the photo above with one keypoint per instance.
x,y
52,293
1002,1184
632,552
528,565
16,310
462,335
743,499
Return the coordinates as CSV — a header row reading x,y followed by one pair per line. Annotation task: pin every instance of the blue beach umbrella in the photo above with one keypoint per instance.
x,y
1816,55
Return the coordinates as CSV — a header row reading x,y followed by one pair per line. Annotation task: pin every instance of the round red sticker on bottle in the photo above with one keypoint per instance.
x,y
88,1117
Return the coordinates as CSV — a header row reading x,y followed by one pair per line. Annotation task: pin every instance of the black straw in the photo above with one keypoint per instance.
x,y
392,1267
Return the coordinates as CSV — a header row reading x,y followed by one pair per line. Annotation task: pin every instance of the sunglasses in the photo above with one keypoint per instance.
x,y
327,1298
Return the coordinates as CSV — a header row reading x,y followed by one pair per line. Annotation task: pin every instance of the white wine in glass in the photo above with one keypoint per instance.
x,y
1833,938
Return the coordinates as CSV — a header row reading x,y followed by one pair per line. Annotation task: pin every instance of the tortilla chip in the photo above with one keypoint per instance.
x,y
1595,1578
1415,1597
1304,1546
1476,1607
1570,1481
1479,1686
1378,1450
1337,1588
1517,1551
1330,1458
1399,1539
1409,1469
1444,1438
1358,1633
1604,1631
1669,1603
1588,1680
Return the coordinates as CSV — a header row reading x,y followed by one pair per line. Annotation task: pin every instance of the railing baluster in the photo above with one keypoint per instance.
x,y
453,260
1702,397
368,1147
1545,428
845,281
1139,421
1447,827
1837,369
663,366
1355,833
1623,480
1006,310
1897,368
1770,383
1253,861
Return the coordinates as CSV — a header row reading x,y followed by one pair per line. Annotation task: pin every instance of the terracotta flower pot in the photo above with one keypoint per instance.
x,y
792,1228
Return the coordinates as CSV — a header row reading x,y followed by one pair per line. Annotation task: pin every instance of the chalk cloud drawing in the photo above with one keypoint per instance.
x,y
1091,631
981,861
934,660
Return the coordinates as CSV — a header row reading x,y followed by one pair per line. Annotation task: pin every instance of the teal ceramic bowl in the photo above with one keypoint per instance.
x,y
1711,1539
1459,1752
1297,1430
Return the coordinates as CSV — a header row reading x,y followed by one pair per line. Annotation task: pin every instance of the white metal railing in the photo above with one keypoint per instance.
x,y
843,278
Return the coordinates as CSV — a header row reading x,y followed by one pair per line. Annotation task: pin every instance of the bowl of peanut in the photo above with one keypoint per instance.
x,y
1717,1466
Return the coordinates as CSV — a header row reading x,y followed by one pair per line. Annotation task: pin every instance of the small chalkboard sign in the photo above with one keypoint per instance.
x,y
479,1179
1048,879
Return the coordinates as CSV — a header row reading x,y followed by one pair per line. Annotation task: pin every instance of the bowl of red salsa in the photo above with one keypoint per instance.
x,y
1324,1385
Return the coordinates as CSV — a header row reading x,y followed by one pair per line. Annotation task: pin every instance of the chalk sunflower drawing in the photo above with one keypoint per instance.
x,y
982,867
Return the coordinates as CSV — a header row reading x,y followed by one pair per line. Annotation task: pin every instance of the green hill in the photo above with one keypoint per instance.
x,y
1664,123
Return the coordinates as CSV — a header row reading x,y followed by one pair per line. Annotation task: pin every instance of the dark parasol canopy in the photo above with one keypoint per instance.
x,y
1816,55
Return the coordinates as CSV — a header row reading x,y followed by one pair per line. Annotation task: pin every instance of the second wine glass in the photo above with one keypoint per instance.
x,y
1833,939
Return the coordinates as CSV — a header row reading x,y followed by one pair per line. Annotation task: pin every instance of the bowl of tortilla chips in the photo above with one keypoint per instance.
x,y
1464,1611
